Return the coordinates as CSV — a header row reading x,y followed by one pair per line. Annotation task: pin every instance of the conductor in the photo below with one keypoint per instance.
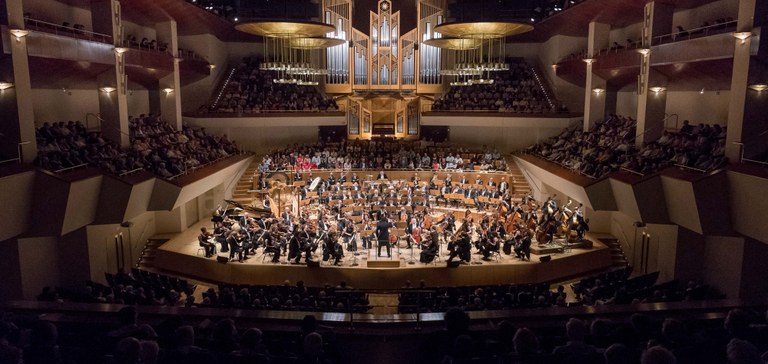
x,y
382,232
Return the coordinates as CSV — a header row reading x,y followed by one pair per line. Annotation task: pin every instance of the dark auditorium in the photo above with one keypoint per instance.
x,y
383,181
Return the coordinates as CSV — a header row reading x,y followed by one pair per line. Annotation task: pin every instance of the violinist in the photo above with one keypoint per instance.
x,y
462,248
349,237
428,250
490,245
271,245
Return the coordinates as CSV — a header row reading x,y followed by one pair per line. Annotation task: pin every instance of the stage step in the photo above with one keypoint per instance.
x,y
149,253
618,258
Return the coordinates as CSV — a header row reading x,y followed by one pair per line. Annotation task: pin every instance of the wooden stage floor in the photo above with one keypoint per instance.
x,y
180,255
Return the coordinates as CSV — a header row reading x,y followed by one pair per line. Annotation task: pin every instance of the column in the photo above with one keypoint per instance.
x,y
169,94
651,88
748,99
17,119
594,89
113,90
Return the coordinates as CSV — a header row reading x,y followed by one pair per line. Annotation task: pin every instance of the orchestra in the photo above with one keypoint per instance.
x,y
341,214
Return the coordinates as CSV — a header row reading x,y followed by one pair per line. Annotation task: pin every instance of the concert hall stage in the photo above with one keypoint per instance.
x,y
180,255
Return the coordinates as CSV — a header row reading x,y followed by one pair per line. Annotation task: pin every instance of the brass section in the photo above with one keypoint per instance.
x,y
459,44
482,30
285,29
315,43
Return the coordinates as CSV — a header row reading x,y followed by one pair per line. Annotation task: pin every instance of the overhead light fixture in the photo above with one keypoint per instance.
x,y
108,89
167,90
657,89
19,33
121,50
759,87
588,60
598,90
643,51
742,36
5,85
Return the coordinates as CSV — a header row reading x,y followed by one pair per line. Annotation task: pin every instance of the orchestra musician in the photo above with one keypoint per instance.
x,y
210,248
428,249
382,233
523,250
234,242
462,248
271,245
489,245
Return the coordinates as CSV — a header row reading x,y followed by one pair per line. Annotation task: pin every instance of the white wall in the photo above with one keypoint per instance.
x,y
626,103
138,31
215,51
138,102
551,52
57,105
39,264
101,244
709,107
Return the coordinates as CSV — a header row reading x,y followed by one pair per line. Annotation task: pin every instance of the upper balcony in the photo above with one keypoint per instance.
x,y
74,54
702,56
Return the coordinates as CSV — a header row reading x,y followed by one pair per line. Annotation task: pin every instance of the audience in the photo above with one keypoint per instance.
x,y
516,90
380,155
610,145
252,90
155,147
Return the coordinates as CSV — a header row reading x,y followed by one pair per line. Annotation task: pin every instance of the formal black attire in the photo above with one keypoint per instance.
x,y
382,231
210,248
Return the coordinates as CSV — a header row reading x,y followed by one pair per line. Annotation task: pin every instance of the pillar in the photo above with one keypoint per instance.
x,y
594,89
747,106
17,119
651,88
169,95
113,90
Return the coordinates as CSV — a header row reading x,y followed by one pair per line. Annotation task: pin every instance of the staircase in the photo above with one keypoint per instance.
x,y
618,258
246,183
148,254
518,184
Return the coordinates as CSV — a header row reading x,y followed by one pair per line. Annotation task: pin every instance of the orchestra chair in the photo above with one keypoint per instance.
x,y
200,250
496,254
266,254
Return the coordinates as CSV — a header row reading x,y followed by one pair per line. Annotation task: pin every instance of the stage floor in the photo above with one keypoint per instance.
x,y
181,255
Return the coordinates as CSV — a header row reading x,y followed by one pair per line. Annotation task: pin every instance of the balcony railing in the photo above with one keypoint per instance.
x,y
69,31
695,33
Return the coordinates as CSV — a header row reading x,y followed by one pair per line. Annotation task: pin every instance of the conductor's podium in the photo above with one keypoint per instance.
x,y
383,261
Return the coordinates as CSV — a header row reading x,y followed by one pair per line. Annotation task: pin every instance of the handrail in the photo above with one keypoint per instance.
x,y
62,170
632,171
621,230
223,87
683,166
98,119
17,159
694,33
44,26
528,177
543,89
764,164
130,172
670,116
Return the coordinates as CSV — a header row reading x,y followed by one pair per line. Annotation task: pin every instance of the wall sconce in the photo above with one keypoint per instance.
x,y
167,90
19,33
598,90
759,87
120,50
176,60
657,89
5,85
554,66
644,51
108,89
742,36
211,66
588,60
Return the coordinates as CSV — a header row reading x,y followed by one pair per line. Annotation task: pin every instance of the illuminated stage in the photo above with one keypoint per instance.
x,y
180,255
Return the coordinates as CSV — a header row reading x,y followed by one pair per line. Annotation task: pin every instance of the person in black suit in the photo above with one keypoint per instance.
x,y
210,248
462,249
523,251
233,240
382,232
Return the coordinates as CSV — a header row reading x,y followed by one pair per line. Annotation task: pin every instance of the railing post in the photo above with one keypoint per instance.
x,y
351,321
